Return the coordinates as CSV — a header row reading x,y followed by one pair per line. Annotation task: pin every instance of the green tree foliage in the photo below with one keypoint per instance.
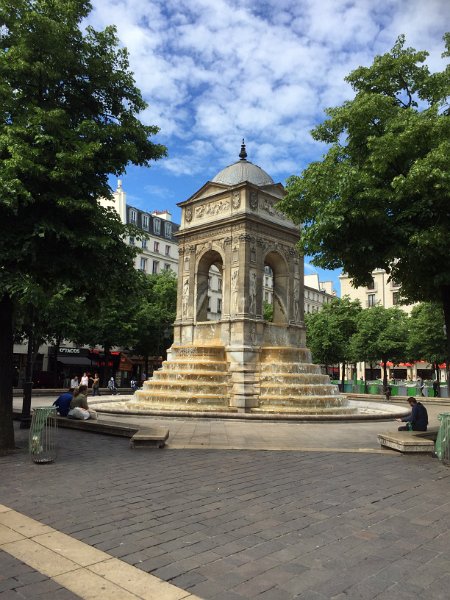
x,y
112,322
68,119
268,311
380,197
329,331
156,314
426,338
382,333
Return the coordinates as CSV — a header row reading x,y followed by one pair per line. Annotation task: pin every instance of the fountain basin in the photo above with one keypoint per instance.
x,y
354,410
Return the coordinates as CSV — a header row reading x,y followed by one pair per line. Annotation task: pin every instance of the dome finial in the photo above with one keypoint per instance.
x,y
243,153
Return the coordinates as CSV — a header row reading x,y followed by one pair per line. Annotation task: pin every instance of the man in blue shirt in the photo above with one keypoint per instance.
x,y
417,420
62,403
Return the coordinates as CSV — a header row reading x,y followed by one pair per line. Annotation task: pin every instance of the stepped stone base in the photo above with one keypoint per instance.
x,y
212,377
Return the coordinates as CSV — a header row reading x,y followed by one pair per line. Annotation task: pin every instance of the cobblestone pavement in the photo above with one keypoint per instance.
x,y
233,525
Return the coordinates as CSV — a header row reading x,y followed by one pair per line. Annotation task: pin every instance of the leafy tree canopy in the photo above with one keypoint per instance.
x,y
330,330
68,119
380,196
381,334
156,313
426,338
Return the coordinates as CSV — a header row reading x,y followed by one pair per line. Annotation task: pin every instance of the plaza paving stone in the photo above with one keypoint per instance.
x,y
238,524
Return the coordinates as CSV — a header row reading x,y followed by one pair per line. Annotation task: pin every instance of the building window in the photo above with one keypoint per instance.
x,y
155,267
166,267
157,226
145,222
155,246
395,298
219,305
209,283
209,303
167,250
143,266
371,285
371,300
133,216
144,244
131,241
168,230
219,284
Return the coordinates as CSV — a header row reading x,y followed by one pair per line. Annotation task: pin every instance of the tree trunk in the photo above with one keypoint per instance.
x,y
25,419
343,377
385,381
446,307
6,375
106,372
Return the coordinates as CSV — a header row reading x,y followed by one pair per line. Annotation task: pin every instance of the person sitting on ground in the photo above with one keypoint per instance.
x,y
63,401
79,408
417,420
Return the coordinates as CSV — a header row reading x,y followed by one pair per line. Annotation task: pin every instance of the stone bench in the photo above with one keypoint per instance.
x,y
140,437
410,441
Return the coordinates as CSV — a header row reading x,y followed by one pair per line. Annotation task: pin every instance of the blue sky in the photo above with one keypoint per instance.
x,y
216,71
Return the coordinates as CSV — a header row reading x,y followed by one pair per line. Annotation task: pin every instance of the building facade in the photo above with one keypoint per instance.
x,y
155,234
381,291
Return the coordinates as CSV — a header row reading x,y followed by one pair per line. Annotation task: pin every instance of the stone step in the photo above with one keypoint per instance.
x,y
190,365
294,378
182,397
309,401
185,387
197,375
291,367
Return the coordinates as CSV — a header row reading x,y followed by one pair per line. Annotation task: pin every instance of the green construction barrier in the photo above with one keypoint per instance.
x,y
394,390
374,388
412,391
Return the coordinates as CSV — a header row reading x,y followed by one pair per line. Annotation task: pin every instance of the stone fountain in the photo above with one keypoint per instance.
x,y
241,366
240,363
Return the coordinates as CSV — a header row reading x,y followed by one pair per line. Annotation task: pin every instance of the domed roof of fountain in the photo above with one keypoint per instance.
x,y
243,170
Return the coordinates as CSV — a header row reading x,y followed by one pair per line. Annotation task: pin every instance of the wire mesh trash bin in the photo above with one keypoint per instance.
x,y
42,440
443,438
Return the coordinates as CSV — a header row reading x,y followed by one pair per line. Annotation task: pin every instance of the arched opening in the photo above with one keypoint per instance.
x,y
209,287
275,288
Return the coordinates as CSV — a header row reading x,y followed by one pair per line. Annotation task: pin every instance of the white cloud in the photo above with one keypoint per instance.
x,y
214,72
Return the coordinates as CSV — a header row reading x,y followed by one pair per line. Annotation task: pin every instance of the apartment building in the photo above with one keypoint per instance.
x,y
158,246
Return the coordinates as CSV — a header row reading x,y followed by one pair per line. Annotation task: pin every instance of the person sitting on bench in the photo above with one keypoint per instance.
x,y
417,420
63,401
